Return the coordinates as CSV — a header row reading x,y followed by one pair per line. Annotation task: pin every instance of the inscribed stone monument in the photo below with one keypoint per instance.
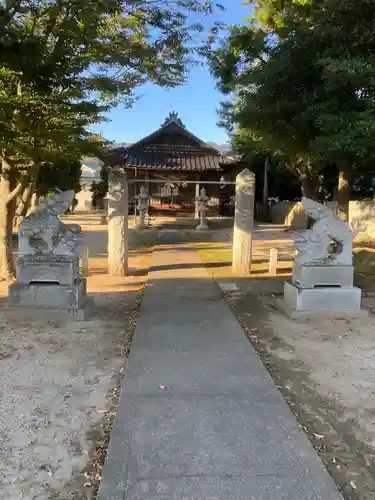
x,y
322,277
243,223
48,276
118,199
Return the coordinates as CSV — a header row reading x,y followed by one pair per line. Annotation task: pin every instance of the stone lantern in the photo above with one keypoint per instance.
x,y
142,207
202,201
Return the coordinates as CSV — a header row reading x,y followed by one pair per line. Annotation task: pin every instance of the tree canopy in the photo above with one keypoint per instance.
x,y
63,63
300,76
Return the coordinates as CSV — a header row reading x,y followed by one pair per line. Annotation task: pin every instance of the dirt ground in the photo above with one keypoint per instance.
x,y
325,369
59,385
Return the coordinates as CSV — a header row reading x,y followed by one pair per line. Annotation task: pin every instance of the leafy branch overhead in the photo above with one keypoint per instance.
x,y
64,63
87,57
300,78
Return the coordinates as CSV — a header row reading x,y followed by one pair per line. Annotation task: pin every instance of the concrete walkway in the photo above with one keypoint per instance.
x,y
221,430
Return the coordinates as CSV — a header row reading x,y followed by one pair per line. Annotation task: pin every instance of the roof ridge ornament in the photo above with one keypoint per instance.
x,y
173,117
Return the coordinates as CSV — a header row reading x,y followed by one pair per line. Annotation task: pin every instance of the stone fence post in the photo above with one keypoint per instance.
x,y
243,223
118,197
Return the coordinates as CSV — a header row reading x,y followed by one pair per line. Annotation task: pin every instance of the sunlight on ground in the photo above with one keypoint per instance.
x,y
98,279
220,253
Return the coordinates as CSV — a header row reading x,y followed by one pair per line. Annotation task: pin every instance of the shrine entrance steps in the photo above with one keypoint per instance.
x,y
199,416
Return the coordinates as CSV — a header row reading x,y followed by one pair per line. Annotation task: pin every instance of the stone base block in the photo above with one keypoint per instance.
x,y
40,269
322,299
308,315
311,276
31,315
48,296
202,227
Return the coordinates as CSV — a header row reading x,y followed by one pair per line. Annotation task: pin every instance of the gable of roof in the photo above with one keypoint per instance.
x,y
173,129
170,147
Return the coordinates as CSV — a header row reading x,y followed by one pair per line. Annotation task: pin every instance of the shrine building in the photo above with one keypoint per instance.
x,y
172,156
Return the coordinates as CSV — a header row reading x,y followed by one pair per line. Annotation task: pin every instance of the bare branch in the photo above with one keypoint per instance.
x,y
16,191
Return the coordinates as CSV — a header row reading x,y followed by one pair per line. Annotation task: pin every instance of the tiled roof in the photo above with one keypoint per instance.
x,y
171,147
170,161
185,161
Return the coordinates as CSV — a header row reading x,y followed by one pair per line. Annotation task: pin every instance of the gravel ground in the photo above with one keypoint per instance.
x,y
54,386
59,385
324,368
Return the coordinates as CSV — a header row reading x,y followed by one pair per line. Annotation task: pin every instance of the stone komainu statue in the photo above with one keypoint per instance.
x,y
329,241
43,233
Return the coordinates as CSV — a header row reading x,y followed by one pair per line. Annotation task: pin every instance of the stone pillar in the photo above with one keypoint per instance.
x,y
272,267
117,223
197,193
243,222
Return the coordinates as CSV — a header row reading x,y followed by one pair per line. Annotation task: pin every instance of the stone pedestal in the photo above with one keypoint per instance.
x,y
322,299
311,276
60,270
203,226
49,296
321,289
141,223
48,283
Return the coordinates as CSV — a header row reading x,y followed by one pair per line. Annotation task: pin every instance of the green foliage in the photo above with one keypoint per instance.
x,y
301,79
62,64
62,175
270,14
282,181
100,189
87,56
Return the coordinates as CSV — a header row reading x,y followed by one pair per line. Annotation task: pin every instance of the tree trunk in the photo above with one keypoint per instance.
x,y
308,185
33,202
24,205
344,191
265,208
7,211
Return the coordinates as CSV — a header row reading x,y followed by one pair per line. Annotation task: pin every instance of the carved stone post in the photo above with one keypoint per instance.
x,y
117,223
142,206
202,201
243,223
197,191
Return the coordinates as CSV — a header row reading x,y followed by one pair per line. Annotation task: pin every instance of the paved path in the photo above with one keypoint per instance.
x,y
222,430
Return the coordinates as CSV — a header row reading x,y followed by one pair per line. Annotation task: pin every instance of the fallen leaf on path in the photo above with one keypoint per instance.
x,y
5,355
47,468
254,338
318,436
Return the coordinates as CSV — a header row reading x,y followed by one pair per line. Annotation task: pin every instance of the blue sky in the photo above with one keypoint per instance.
x,y
196,102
